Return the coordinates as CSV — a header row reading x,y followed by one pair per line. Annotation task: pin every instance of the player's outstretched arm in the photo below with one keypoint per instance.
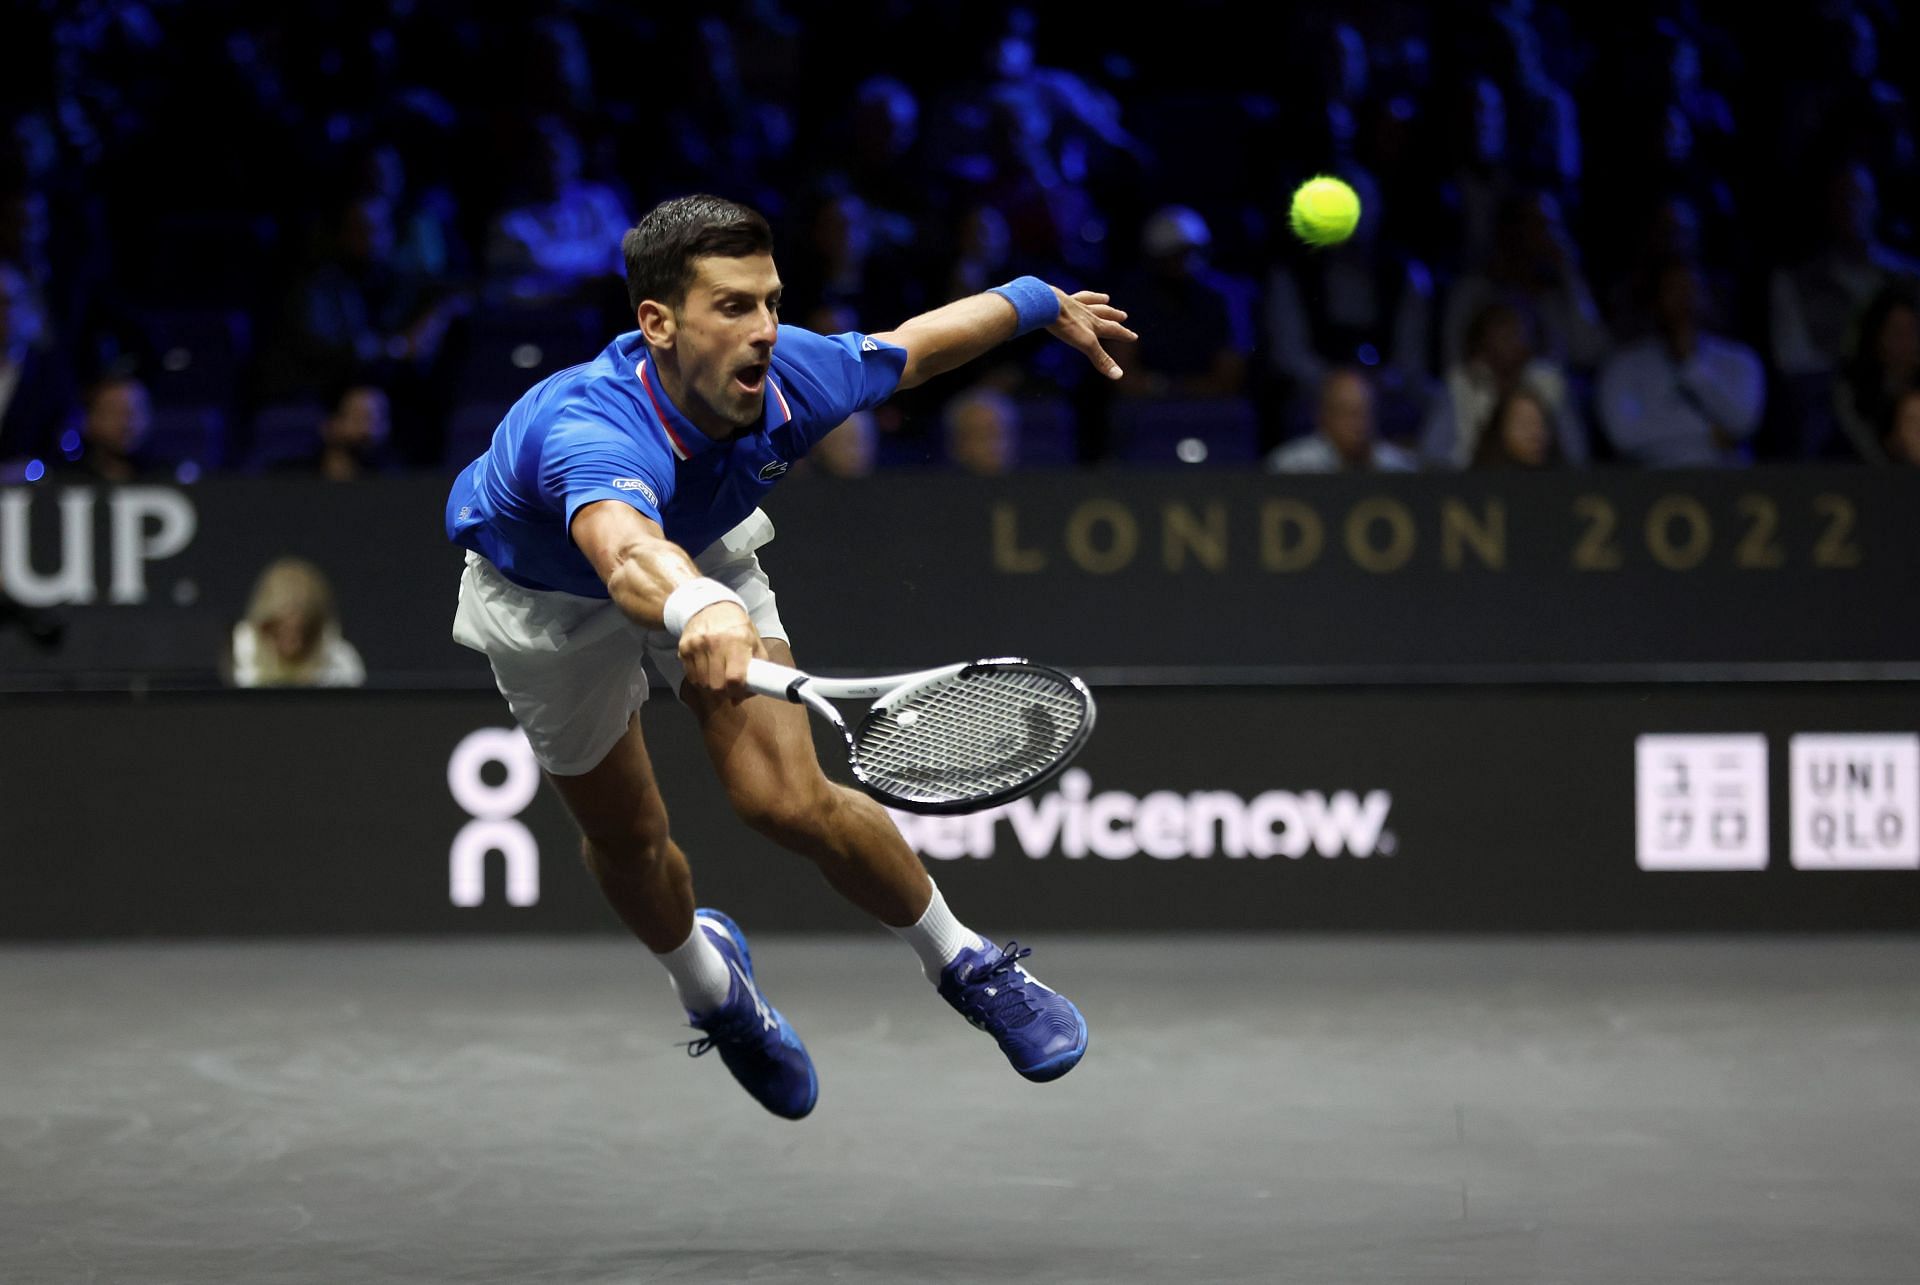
x,y
655,583
949,337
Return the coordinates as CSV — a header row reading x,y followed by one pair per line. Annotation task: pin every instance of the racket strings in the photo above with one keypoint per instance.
x,y
972,736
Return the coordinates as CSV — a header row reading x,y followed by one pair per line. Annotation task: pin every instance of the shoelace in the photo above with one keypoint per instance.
x,y
725,1030
1011,991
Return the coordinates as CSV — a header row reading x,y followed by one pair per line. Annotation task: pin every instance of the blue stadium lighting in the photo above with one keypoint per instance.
x,y
35,470
70,443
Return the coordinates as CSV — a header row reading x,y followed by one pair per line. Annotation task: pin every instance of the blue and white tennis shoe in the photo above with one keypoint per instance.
x,y
1039,1029
753,1040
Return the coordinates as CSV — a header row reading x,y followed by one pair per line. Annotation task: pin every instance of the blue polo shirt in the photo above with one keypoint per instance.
x,y
606,430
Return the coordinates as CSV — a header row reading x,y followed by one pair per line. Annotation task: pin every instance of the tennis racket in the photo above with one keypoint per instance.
x,y
953,739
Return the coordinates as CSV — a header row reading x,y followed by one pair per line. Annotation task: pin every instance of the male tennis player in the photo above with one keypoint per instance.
x,y
616,516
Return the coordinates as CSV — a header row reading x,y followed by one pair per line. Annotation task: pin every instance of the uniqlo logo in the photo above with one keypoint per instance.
x,y
1856,801
1701,802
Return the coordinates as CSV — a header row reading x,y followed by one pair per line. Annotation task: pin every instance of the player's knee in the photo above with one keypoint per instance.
x,y
637,842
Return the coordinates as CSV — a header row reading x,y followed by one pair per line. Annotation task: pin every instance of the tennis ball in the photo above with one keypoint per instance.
x,y
1325,211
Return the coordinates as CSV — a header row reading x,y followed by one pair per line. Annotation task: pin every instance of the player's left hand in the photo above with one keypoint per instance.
x,y
1085,319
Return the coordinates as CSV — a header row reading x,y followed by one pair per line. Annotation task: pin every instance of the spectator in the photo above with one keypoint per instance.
x,y
847,451
1684,397
1815,305
1903,429
1343,438
563,240
353,437
1200,337
1474,192
291,634
1669,230
1500,361
113,428
357,310
1518,435
1884,365
886,162
357,317
34,398
981,253
855,261
1536,260
426,243
983,432
1356,303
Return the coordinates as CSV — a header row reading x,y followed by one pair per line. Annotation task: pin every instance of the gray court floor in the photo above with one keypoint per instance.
x,y
1404,1111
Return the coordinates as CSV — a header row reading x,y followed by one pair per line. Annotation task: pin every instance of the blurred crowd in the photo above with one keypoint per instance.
x,y
339,239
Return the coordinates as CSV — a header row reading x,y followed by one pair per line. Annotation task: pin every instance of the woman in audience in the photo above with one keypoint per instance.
x,y
291,634
1518,434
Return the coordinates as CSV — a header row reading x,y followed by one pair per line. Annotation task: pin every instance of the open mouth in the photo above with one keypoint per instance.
x,y
751,379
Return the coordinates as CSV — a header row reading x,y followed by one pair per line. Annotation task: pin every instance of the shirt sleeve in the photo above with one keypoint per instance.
x,y
832,376
1731,387
1623,406
584,460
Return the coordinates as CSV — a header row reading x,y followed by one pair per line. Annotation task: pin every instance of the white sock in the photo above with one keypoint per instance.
x,y
699,972
938,938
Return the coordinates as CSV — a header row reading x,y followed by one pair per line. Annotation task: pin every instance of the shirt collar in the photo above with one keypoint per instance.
x,y
683,437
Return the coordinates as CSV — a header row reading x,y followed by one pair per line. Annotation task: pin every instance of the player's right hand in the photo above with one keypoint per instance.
x,y
1086,318
715,648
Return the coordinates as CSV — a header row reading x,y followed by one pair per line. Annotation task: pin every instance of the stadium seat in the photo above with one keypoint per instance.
x,y
285,432
186,435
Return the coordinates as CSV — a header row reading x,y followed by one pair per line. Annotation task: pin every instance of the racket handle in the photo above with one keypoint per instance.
x,y
778,681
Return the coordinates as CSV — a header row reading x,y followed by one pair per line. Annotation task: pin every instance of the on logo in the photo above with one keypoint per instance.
x,y
495,809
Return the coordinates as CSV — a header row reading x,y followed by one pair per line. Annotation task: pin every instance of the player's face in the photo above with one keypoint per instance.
x,y
725,336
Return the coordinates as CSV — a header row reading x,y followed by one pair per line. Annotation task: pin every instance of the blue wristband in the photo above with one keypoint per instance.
x,y
1033,301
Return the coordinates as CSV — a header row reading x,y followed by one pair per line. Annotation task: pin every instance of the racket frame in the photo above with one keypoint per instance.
x,y
783,682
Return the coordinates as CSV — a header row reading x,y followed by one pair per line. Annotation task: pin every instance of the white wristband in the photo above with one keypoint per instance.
x,y
692,598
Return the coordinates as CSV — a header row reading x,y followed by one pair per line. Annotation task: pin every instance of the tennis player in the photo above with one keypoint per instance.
x,y
616,515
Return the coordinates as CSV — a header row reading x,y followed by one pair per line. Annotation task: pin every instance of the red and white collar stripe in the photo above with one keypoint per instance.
x,y
680,451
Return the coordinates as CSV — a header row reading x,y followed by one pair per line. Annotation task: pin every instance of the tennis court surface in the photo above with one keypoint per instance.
x,y
1413,1111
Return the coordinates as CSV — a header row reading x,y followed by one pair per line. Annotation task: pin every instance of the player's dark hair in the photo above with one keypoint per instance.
x,y
662,249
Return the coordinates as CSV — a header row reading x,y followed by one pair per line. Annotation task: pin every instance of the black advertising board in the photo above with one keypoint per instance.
x,y
1605,808
1150,577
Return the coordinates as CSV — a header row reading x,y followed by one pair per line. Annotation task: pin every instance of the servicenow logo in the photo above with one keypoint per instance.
x,y
1074,822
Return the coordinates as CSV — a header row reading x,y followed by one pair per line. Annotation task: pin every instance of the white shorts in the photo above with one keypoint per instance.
x,y
571,667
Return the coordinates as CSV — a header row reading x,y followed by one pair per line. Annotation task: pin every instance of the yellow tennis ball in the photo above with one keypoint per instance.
x,y
1325,211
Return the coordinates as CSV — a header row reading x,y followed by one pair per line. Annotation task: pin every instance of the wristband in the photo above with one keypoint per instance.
x,y
1033,300
692,598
